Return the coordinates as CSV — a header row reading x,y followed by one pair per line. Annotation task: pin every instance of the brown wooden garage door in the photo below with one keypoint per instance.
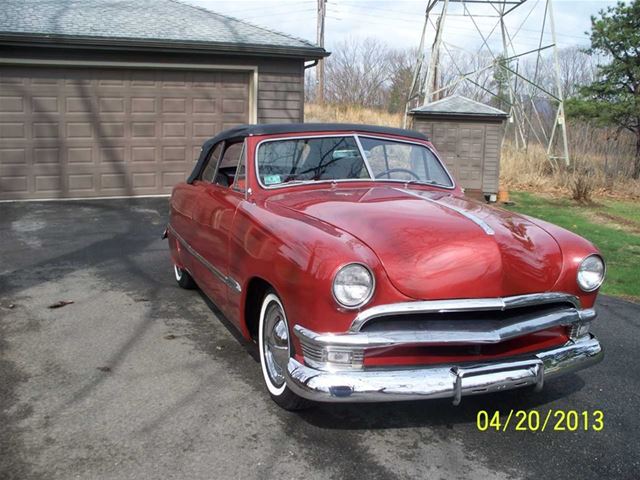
x,y
91,132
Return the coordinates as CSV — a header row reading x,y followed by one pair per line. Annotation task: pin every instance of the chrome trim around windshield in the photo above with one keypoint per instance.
x,y
364,157
462,305
356,136
228,281
474,218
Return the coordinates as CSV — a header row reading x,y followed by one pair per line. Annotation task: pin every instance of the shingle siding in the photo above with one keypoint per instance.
x,y
280,95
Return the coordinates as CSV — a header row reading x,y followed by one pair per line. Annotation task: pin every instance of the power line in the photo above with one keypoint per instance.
x,y
271,14
261,8
525,40
454,19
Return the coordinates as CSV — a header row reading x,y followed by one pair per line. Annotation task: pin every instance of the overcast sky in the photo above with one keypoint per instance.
x,y
399,22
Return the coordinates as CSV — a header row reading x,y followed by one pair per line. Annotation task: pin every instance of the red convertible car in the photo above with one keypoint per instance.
x,y
355,262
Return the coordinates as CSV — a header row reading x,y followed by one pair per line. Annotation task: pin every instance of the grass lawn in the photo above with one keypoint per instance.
x,y
613,226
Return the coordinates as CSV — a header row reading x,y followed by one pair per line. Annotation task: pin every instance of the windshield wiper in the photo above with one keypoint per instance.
x,y
424,182
297,182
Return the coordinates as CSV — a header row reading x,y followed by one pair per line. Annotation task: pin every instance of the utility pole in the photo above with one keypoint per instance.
x,y
322,11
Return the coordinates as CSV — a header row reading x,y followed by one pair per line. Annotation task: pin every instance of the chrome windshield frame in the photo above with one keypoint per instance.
x,y
362,154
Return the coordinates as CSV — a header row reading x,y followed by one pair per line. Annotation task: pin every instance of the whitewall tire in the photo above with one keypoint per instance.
x,y
274,344
183,278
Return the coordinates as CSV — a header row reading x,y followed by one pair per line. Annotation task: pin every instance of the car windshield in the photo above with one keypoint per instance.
x,y
394,160
310,159
290,161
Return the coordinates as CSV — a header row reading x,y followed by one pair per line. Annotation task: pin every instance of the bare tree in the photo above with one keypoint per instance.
x,y
577,68
358,73
310,84
401,63
369,73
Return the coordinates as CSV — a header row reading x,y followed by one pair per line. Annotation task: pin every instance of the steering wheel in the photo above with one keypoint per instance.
x,y
398,170
223,177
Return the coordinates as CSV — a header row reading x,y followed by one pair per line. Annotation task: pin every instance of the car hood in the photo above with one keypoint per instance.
x,y
435,245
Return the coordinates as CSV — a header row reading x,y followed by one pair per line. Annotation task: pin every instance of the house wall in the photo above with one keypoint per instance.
x,y
86,123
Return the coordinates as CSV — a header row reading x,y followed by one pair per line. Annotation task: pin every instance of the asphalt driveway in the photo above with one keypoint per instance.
x,y
139,379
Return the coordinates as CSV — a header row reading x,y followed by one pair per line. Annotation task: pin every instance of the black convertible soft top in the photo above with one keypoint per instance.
x,y
242,131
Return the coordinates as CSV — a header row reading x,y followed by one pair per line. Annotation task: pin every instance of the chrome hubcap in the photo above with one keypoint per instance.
x,y
275,344
178,272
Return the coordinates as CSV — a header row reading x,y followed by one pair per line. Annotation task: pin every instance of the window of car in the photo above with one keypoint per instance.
x,y
310,159
240,178
393,160
228,164
209,169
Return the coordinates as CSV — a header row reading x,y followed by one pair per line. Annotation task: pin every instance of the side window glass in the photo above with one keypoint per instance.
x,y
210,167
240,180
228,164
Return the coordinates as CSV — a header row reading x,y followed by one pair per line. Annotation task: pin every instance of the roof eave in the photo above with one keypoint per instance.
x,y
306,53
419,113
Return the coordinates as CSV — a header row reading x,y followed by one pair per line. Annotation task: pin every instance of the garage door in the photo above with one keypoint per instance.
x,y
70,132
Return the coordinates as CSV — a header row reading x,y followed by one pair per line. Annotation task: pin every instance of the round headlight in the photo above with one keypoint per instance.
x,y
591,273
353,285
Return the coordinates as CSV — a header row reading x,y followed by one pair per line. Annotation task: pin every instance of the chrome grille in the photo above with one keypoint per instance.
x,y
444,324
463,320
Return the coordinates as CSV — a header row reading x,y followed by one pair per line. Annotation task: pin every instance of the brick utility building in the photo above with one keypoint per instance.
x,y
114,98
468,136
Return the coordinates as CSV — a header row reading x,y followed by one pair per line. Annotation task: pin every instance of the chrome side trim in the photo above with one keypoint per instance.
x,y
474,218
458,332
228,281
441,381
461,305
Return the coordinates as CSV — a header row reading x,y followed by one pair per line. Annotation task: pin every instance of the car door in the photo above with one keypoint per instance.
x,y
184,199
214,214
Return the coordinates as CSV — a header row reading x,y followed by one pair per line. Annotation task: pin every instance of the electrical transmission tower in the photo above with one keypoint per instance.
x,y
528,99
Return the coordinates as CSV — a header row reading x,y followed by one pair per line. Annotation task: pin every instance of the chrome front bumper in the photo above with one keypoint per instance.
x,y
441,381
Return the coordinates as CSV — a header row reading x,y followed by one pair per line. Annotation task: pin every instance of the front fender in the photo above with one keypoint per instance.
x,y
299,256
574,249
